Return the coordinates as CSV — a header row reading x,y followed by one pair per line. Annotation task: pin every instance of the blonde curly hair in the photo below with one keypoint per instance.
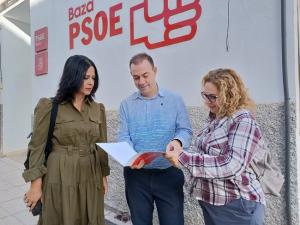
x,y
233,94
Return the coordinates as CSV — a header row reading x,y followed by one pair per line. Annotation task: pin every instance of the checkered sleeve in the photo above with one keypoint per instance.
x,y
230,151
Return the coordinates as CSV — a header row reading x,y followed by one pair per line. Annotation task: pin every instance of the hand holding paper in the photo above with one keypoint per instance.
x,y
127,156
138,165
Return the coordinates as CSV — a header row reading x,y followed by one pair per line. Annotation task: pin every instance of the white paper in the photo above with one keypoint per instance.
x,y
120,151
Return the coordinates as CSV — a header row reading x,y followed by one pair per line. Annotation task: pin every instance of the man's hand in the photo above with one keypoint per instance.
x,y
172,152
139,166
34,194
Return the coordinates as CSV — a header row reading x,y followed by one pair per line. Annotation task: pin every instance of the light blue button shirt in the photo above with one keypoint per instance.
x,y
150,124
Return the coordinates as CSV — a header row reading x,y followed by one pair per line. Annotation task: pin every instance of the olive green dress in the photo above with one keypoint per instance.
x,y
72,181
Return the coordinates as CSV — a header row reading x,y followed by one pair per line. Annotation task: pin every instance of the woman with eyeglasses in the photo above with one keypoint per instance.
x,y
226,187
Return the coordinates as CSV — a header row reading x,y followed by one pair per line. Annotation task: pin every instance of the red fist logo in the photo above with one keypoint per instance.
x,y
179,22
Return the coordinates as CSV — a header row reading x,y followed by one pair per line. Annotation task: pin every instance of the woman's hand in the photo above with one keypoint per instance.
x,y
172,154
34,194
105,185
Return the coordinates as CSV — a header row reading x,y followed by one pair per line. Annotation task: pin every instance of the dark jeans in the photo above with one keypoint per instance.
x,y
143,187
236,212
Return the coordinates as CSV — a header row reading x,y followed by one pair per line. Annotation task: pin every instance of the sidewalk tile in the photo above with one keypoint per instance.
x,y
7,169
14,206
10,221
7,195
14,178
3,213
27,218
4,186
13,163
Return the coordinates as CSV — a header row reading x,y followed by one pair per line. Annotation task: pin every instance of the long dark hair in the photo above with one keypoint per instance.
x,y
71,80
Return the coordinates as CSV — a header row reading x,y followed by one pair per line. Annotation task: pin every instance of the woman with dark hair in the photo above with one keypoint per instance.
x,y
223,181
73,184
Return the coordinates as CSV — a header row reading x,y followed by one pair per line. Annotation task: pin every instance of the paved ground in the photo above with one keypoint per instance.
x,y
12,188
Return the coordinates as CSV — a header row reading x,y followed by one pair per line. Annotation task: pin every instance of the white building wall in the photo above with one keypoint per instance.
x,y
16,92
254,40
254,49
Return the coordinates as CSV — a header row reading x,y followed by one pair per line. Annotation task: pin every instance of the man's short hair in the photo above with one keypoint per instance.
x,y
139,58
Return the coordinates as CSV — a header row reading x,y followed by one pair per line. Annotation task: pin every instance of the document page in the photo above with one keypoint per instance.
x,y
120,151
126,155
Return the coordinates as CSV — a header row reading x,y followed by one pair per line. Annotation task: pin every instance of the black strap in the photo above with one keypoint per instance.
x,y
48,147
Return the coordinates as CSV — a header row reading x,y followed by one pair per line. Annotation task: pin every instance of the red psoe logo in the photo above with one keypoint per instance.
x,y
172,22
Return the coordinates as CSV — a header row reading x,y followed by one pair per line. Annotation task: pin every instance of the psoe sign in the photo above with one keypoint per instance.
x,y
179,22
41,39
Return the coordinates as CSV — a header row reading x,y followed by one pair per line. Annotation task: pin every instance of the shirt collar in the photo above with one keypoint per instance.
x,y
138,95
86,100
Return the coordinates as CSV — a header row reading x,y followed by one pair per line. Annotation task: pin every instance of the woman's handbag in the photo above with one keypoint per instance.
x,y
37,210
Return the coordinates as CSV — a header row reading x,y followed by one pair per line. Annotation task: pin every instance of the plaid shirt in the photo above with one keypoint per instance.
x,y
219,166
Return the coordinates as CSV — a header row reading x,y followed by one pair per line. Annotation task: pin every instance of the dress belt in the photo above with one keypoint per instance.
x,y
82,150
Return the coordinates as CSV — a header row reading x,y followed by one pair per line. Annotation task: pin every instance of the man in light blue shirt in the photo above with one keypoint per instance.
x,y
153,119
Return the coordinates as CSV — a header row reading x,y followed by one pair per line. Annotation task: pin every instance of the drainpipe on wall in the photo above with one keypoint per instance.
x,y
1,105
286,113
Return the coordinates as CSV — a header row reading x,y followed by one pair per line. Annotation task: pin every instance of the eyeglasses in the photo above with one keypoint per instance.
x,y
211,98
